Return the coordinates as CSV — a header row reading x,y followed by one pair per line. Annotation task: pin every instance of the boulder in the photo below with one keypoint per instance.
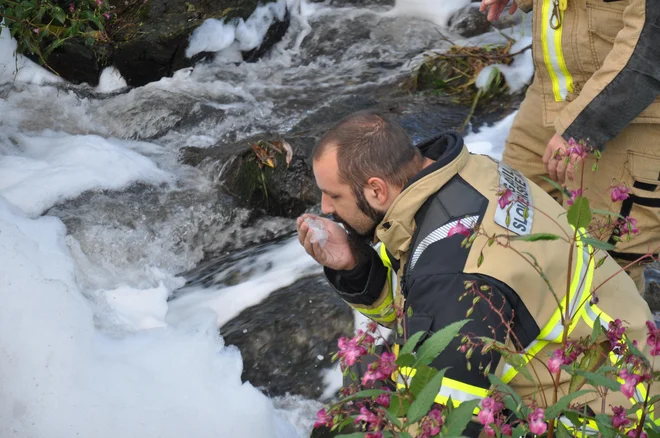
x,y
287,340
148,39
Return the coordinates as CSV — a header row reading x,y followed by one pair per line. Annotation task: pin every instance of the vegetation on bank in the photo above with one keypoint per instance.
x,y
40,27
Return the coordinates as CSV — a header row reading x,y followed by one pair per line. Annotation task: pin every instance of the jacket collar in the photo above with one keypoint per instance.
x,y
397,228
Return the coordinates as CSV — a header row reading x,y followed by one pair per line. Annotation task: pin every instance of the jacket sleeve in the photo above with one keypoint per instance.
x,y
366,288
626,84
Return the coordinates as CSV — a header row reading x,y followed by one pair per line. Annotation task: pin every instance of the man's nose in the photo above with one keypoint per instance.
x,y
326,205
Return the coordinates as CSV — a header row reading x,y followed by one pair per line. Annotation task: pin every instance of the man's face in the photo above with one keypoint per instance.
x,y
339,200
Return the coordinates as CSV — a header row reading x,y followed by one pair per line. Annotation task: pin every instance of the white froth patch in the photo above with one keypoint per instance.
x,y
61,377
518,74
282,265
57,166
490,139
138,309
17,67
434,11
237,35
110,80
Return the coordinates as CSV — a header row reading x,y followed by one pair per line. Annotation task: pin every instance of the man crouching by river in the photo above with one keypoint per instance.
x,y
420,203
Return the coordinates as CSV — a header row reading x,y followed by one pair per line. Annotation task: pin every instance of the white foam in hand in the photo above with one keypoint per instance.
x,y
319,234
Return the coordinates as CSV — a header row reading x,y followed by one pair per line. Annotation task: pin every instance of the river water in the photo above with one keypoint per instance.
x,y
98,219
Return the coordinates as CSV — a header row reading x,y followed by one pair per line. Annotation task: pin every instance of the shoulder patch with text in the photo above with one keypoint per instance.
x,y
513,180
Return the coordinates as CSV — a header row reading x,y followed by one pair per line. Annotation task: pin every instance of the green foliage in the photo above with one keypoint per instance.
x,y
579,214
433,346
40,27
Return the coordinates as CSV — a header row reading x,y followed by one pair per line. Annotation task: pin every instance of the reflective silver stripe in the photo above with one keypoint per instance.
x,y
557,330
457,395
439,234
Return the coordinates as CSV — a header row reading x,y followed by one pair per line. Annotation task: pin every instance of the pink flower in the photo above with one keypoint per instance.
x,y
323,418
72,7
107,15
619,419
99,3
536,423
619,193
383,400
350,351
506,198
386,363
630,382
432,423
628,225
35,30
653,338
367,416
507,430
615,335
377,434
633,433
459,228
556,361
574,194
577,148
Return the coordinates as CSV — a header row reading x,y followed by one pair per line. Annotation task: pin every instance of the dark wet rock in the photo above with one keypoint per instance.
x,y
283,190
652,294
148,39
469,22
287,340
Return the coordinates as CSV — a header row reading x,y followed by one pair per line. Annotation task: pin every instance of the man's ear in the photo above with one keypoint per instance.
x,y
377,192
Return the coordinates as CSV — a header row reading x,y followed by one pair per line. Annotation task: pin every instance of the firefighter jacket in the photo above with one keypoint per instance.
x,y
597,64
429,269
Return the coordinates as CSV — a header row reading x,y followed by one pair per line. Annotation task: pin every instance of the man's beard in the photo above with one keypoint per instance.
x,y
360,243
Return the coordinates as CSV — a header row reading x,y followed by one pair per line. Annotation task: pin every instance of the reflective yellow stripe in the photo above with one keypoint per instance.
x,y
579,294
383,313
458,391
553,55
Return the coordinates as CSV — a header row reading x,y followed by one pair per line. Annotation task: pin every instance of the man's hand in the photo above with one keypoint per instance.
x,y
336,253
554,159
495,8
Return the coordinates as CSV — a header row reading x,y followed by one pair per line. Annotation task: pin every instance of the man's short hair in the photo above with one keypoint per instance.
x,y
369,145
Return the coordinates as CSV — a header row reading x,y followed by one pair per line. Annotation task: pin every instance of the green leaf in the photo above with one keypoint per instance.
x,y
579,214
433,346
599,380
574,417
518,363
604,424
59,15
426,397
606,213
392,418
405,435
598,244
399,404
562,404
411,343
592,360
557,186
562,432
353,435
536,237
635,351
458,419
407,360
423,376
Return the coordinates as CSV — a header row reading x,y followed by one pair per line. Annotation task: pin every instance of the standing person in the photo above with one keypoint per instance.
x,y
597,79
420,203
